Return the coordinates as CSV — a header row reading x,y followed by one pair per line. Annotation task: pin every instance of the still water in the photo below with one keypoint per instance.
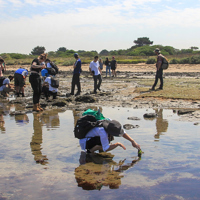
x,y
41,159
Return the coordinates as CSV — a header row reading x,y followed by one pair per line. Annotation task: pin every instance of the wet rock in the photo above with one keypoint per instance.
x,y
150,115
196,123
183,112
18,113
133,118
130,126
85,99
59,103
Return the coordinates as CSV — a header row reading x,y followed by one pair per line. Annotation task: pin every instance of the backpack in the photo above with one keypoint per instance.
x,y
54,83
84,125
54,66
51,71
165,63
1,80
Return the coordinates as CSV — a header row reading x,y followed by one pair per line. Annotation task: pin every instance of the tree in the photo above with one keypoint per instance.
x,y
104,52
143,41
38,50
63,49
194,48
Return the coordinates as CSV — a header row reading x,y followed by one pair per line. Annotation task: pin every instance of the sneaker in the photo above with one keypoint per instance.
x,y
160,88
78,93
152,89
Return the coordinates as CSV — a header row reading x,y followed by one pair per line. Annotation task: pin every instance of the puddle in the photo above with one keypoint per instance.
x,y
41,159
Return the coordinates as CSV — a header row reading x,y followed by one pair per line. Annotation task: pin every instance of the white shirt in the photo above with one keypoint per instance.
x,y
97,131
5,82
49,65
52,89
94,66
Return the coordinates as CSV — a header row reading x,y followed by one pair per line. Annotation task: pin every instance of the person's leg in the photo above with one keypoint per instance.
x,y
54,95
100,80
77,82
92,144
109,71
73,84
45,90
160,75
16,83
155,82
106,70
95,83
21,84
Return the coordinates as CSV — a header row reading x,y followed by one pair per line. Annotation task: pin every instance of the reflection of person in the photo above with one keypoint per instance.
x,y
2,123
99,137
21,119
95,71
6,87
76,75
98,170
35,80
36,141
113,66
159,70
108,67
20,78
161,124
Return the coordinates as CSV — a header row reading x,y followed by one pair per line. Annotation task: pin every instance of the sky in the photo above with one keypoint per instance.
x,y
97,24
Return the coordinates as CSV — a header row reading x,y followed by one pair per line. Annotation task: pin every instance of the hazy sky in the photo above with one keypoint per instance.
x,y
97,25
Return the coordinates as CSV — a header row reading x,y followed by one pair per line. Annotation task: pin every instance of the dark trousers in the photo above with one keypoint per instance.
x,y
35,82
97,86
48,93
159,75
76,81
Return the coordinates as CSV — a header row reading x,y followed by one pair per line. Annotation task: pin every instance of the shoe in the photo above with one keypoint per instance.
x,y
152,89
35,108
99,89
78,93
95,92
160,88
69,94
40,108
23,95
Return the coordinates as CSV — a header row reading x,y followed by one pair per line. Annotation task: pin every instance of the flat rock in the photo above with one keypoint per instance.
x,y
150,115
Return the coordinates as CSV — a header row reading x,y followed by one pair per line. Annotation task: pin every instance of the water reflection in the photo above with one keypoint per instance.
x,y
98,170
21,119
2,124
36,142
161,124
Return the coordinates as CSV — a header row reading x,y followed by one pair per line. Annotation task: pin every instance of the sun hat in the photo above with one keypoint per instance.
x,y
157,50
113,127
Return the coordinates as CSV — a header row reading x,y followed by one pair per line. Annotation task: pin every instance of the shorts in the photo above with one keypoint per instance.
x,y
93,142
19,80
113,68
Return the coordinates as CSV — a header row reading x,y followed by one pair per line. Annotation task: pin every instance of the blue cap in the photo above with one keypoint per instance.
x,y
76,55
44,72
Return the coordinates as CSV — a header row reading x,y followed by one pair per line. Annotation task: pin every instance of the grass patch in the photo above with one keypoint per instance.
x,y
187,89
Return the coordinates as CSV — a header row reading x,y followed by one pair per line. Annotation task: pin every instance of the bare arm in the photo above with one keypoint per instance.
x,y
113,146
134,144
100,70
35,66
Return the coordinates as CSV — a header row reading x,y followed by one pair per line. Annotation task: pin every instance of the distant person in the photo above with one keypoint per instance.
x,y
159,70
114,67
101,64
48,88
108,67
76,75
51,67
99,137
95,71
37,65
20,78
5,86
2,67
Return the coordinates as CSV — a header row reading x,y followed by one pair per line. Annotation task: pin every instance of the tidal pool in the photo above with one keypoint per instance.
x,y
41,159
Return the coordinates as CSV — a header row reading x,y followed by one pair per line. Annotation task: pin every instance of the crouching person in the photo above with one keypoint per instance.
x,y
50,87
20,78
99,138
5,86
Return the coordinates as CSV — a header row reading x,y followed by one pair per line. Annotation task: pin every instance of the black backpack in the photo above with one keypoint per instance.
x,y
84,125
53,65
54,83
51,71
1,80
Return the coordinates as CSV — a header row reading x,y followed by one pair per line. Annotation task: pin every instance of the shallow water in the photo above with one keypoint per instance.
x,y
41,159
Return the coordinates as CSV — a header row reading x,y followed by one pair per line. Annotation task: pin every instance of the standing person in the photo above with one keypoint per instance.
x,y
159,70
2,66
108,67
113,66
20,78
37,65
95,71
76,75
5,86
101,64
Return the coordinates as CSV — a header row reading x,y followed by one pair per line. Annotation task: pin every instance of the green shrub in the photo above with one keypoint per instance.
x,y
151,61
195,60
174,61
184,61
